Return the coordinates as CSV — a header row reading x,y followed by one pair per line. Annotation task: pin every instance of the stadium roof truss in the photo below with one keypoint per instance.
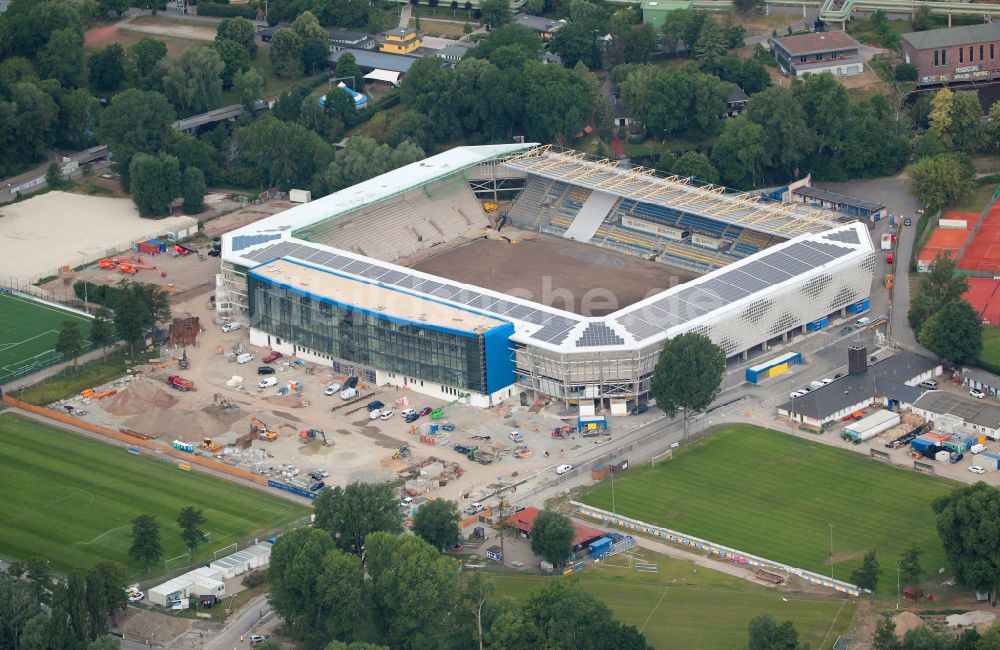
x,y
645,185
676,310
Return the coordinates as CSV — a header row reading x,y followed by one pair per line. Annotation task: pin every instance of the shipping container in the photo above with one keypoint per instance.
x,y
989,461
148,248
157,242
921,445
773,367
600,548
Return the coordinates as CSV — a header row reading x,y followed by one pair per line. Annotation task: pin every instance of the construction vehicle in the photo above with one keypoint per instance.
x,y
402,452
309,435
208,445
438,413
890,280
183,363
562,432
179,383
481,457
257,426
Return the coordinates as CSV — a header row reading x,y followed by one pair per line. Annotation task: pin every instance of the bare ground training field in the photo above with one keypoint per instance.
x,y
568,275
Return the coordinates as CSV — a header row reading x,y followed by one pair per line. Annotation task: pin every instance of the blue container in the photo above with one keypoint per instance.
x,y
815,326
921,445
157,242
600,548
892,220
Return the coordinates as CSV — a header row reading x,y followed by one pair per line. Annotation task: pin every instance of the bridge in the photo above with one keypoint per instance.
x,y
190,124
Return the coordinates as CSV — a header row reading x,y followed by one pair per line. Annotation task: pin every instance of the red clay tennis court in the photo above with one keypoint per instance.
x,y
984,296
948,240
983,253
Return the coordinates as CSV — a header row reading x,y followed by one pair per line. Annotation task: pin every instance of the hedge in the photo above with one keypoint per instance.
x,y
227,11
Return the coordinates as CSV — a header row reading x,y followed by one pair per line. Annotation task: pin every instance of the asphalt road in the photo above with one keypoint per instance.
x,y
237,632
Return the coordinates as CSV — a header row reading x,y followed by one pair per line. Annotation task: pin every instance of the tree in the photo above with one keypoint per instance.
x,y
495,12
766,634
938,287
105,594
137,121
476,590
437,523
107,68
62,58
281,154
193,190
989,641
408,125
710,48
687,375
565,616
910,567
189,521
364,158
193,82
955,333
968,523
741,153
238,30
70,340
695,165
866,576
102,329
143,63
297,562
249,87
53,175
922,20
939,180
307,26
286,54
575,42
347,70
552,537
748,6
342,594
314,53
352,513
234,59
884,637
155,183
146,547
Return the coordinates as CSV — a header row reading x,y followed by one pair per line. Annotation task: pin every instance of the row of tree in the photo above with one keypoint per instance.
x,y
942,320
147,547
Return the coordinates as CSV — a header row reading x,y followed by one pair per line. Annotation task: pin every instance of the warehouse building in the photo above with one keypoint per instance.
x,y
956,414
834,52
955,54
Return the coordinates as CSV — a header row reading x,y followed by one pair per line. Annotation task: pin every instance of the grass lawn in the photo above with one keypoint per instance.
x,y
976,200
773,495
684,606
991,348
29,328
71,499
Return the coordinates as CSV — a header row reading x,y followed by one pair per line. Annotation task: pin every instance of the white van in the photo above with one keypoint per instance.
x,y
408,412
267,382
929,384
978,449
348,393
246,357
862,323
230,327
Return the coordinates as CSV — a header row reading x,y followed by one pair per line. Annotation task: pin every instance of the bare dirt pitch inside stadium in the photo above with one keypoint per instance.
x,y
555,272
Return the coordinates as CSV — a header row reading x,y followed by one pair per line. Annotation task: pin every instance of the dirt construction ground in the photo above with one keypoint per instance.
x,y
568,275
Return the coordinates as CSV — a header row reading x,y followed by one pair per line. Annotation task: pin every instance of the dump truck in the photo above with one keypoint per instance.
x,y
179,383
481,457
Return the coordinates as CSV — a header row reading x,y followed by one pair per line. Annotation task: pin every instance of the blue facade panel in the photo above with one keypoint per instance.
x,y
815,326
499,357
859,307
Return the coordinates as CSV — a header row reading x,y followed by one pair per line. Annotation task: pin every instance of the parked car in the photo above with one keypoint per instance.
x,y
406,502
639,410
562,469
352,382
408,412
135,596
978,394
929,384
332,389
412,417
375,405
348,393
797,393
374,414
515,436
257,639
316,476
462,449
474,508
317,486
274,356
862,323
425,411
907,222
265,370
978,449
230,327
267,382
976,469
386,415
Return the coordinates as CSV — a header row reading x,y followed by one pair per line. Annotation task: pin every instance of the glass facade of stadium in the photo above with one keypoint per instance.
x,y
367,339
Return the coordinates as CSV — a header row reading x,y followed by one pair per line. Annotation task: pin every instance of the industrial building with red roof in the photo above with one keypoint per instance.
x,y
525,519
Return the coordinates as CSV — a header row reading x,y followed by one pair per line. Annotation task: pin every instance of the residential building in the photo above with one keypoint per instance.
x,y
737,102
546,27
452,53
339,39
401,40
833,52
961,414
524,520
955,54
654,11
984,381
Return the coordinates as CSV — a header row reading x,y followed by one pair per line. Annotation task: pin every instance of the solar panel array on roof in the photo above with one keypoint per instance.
x,y
846,236
598,334
246,241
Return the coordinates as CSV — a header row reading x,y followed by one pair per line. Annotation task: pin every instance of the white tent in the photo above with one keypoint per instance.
x,y
384,75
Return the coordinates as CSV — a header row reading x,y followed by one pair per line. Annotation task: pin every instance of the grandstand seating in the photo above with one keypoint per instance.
x,y
403,225
542,202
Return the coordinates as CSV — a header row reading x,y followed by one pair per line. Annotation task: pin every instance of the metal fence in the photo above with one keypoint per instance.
x,y
711,548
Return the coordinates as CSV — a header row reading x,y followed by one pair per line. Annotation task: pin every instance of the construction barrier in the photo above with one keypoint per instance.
x,y
132,442
711,548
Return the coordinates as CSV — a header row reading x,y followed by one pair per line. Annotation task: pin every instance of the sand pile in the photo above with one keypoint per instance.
x,y
140,397
189,425
906,621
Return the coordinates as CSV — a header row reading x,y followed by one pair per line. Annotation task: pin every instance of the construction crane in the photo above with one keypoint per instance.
x,y
308,435
257,426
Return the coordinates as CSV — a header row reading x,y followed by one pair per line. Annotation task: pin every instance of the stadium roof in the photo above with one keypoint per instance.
x,y
949,37
642,184
672,312
834,197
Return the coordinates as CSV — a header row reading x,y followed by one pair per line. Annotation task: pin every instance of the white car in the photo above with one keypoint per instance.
x,y
230,327
267,382
798,393
978,449
406,502
332,389
474,508
977,469
386,415
562,469
135,596
374,414
978,394
408,412
515,436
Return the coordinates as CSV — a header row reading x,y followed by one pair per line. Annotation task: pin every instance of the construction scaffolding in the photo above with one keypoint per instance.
x,y
671,192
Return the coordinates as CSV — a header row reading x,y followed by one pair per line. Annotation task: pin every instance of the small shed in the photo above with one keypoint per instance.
x,y
591,423
600,472
494,553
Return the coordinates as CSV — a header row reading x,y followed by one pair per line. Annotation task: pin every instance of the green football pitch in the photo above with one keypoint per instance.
x,y
772,495
28,333
70,500
686,606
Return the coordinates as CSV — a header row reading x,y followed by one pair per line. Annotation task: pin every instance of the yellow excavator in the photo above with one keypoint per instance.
x,y
208,445
257,426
